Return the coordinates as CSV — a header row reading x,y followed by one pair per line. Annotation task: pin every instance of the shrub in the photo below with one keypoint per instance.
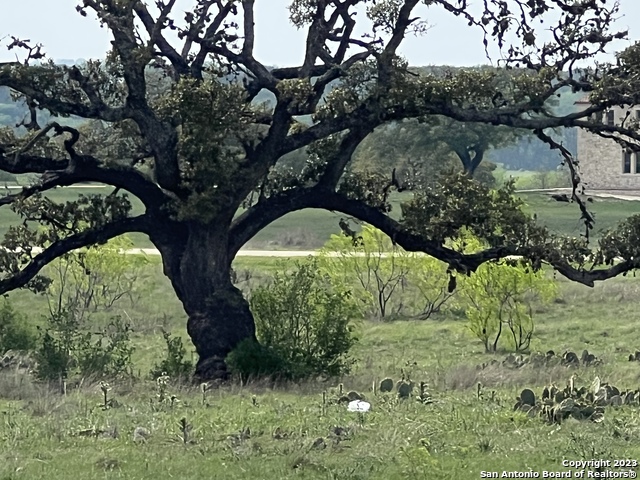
x,y
83,283
386,280
107,355
53,360
93,279
252,359
15,333
173,364
65,349
303,324
369,266
59,340
500,299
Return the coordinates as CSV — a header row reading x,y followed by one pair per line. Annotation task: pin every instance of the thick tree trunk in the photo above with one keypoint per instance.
x,y
199,267
475,162
217,323
469,163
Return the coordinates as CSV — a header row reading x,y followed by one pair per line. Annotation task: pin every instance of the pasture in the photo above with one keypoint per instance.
x,y
456,430
260,430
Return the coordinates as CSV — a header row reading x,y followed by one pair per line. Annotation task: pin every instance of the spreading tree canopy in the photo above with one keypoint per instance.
x,y
175,122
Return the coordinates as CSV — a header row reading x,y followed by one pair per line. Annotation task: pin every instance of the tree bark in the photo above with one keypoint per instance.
x,y
217,324
469,164
198,263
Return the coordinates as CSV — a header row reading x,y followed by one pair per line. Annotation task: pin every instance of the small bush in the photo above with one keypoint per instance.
x,y
95,279
14,331
65,349
174,363
107,355
85,282
251,359
386,281
303,323
53,360
57,344
500,298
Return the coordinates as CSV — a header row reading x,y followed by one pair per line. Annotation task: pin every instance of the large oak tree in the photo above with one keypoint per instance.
x,y
175,123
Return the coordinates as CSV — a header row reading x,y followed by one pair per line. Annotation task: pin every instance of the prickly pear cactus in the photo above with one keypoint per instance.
x,y
386,385
527,397
595,385
581,403
404,389
424,396
570,359
550,358
612,391
615,401
629,398
352,395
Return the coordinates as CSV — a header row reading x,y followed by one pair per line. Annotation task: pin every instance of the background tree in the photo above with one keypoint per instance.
x,y
194,147
422,149
470,142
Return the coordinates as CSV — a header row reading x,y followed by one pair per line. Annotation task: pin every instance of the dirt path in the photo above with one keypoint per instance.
x,y
249,253
241,253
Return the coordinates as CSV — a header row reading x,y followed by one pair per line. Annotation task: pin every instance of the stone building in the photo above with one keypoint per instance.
x,y
604,163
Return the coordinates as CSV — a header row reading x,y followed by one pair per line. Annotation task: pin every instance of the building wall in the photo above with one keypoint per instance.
x,y
602,160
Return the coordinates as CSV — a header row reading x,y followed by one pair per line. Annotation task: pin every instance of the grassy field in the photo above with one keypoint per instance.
x,y
286,431
309,229
564,217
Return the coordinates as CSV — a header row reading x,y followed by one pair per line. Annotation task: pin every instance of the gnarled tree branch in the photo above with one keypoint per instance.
x,y
262,214
96,109
79,168
70,243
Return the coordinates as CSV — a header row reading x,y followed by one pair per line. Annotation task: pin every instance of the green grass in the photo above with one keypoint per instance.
x,y
564,218
307,229
45,435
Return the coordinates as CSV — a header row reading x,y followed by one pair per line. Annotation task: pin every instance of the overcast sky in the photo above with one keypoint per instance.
x,y
65,34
